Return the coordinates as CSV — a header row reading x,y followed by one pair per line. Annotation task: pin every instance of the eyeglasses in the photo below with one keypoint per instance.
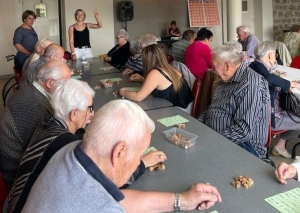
x,y
119,38
91,108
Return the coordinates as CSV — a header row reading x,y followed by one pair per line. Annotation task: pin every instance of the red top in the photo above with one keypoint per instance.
x,y
198,58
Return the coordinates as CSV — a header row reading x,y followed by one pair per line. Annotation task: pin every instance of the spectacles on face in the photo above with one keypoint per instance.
x,y
91,108
119,38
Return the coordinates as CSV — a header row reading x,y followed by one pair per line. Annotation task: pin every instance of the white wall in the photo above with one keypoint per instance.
x,y
263,20
102,40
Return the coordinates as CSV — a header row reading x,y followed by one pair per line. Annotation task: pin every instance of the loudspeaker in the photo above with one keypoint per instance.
x,y
126,10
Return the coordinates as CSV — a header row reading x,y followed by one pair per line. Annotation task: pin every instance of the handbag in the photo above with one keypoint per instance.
x,y
290,103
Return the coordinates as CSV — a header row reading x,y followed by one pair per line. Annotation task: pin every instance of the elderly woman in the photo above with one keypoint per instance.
x,y
264,65
160,79
79,35
118,55
25,38
147,39
59,130
292,40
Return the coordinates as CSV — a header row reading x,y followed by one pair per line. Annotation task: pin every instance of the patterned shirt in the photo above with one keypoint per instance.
x,y
240,109
134,63
179,48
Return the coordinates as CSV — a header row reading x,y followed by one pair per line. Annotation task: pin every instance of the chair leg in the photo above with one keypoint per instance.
x,y
269,161
296,146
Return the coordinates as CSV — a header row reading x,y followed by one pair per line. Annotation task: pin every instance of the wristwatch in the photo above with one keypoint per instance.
x,y
177,202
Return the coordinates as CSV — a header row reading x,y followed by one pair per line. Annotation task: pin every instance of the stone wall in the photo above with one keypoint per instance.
x,y
285,14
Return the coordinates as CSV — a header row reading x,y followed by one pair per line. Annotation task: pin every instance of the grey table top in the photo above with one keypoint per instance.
x,y
104,95
96,68
214,160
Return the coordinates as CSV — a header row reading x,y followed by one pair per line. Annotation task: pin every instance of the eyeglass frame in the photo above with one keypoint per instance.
x,y
119,37
91,107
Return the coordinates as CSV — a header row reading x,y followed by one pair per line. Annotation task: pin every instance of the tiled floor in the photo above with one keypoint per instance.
x,y
276,159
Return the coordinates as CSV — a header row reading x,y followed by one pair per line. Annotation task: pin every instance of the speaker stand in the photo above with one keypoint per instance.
x,y
126,26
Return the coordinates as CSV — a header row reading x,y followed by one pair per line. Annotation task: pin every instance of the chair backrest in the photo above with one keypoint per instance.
x,y
3,192
284,53
67,55
170,58
186,73
296,62
196,93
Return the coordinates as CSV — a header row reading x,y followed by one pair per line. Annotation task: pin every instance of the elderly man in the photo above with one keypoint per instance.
x,y
285,171
179,47
53,51
247,40
39,50
91,171
240,109
26,110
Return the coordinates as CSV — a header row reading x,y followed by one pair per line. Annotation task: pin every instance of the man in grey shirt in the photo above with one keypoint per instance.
x,y
86,176
247,40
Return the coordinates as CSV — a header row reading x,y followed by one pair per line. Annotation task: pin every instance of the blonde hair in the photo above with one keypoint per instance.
x,y
154,58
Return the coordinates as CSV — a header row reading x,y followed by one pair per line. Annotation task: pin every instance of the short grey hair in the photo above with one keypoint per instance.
x,y
53,69
235,44
227,53
118,120
135,47
52,49
68,95
147,39
42,41
263,48
243,29
123,33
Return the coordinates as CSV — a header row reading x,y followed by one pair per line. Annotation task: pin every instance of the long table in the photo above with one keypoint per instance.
x,y
214,160
293,74
104,95
98,66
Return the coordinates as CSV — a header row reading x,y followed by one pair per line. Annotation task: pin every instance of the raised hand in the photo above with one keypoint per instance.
x,y
96,14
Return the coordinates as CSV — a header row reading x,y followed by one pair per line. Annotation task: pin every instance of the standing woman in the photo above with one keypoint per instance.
x,y
25,38
79,35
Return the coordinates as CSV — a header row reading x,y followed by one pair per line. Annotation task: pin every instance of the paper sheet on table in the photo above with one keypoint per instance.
x,y
76,76
287,202
133,89
151,148
173,120
105,68
214,212
112,79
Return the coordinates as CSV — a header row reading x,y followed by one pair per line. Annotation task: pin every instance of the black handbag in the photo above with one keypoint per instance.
x,y
290,103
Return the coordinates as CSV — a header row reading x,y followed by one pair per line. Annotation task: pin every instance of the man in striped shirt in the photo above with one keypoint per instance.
x,y
240,109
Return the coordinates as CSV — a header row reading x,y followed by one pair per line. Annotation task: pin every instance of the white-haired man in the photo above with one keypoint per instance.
x,y
86,176
26,110
240,109
53,51
39,50
248,40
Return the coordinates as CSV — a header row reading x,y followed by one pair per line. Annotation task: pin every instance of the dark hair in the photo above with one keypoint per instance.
x,y
28,13
203,34
188,34
173,22
296,28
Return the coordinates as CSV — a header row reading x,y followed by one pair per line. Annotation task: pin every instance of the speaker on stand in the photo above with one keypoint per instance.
x,y
127,12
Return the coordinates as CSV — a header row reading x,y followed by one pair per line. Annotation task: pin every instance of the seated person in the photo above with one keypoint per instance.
x,y
240,108
91,171
198,54
247,40
160,79
56,132
179,47
26,110
39,50
292,40
285,171
53,51
118,55
280,120
134,63
173,31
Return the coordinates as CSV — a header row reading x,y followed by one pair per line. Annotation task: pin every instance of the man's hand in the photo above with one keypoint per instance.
x,y
153,157
201,196
285,171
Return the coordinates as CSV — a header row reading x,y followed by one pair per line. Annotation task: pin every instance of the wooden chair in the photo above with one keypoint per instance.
x,y
3,193
196,93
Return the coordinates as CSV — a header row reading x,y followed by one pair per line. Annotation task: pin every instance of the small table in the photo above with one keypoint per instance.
x,y
104,95
215,160
99,67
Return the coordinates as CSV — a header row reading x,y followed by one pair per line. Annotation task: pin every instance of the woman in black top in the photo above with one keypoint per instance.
x,y
173,30
160,79
79,35
118,55
265,54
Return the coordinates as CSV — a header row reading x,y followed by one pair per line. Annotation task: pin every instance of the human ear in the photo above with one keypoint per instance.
x,y
119,153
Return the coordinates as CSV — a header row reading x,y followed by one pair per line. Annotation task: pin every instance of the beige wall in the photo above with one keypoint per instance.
x,y
263,16
102,40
